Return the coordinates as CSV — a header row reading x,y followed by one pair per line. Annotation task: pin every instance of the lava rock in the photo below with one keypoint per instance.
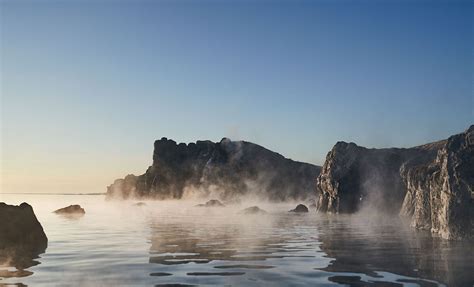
x,y
300,208
439,192
22,237
253,210
227,169
430,185
71,210
212,203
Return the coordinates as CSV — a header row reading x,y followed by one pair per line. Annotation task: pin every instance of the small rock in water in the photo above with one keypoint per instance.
x,y
212,203
300,208
71,209
140,204
253,210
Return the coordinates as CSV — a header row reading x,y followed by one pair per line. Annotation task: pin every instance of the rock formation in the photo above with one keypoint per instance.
x,y
226,170
71,210
253,210
439,192
430,184
21,235
300,208
211,203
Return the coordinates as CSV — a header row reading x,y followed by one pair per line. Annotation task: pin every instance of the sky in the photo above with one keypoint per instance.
x,y
87,86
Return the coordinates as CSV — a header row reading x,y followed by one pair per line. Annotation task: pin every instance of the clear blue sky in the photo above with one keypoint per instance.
x,y
87,86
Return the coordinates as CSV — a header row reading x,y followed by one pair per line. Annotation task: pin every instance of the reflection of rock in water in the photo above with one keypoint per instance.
x,y
22,239
358,246
198,242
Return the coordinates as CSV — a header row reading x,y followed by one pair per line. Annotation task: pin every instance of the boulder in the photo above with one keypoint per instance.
x,y
71,210
211,203
300,208
253,210
22,237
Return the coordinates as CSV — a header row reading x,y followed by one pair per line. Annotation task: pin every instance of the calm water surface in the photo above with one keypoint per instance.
x,y
166,243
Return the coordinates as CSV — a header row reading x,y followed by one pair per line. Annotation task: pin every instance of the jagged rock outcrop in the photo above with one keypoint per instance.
x,y
430,184
353,177
225,170
22,237
439,192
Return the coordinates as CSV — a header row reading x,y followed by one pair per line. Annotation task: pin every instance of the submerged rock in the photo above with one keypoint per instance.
x,y
71,210
226,169
430,184
22,237
140,204
212,203
300,208
253,210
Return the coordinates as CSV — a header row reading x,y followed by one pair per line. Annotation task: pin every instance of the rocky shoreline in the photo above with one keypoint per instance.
x,y
227,170
430,185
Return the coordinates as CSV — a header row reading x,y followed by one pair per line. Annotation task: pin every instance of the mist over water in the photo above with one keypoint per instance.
x,y
174,242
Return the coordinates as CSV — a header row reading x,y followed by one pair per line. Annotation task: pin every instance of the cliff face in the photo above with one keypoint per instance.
x,y
430,184
439,192
354,177
226,169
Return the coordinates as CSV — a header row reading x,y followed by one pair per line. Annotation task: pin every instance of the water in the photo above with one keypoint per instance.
x,y
119,244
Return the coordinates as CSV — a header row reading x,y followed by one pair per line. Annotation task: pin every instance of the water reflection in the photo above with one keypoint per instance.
x,y
361,245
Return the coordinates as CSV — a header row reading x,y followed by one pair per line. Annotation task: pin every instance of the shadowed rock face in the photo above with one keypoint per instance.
x,y
429,184
353,177
226,169
21,235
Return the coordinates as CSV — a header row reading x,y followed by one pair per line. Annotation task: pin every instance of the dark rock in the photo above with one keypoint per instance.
x,y
72,210
140,204
353,177
227,169
212,203
430,184
22,237
253,210
300,208
439,192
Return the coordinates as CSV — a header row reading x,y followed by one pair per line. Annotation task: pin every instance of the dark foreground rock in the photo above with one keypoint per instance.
x,y
253,210
22,237
71,210
226,170
211,203
300,208
429,184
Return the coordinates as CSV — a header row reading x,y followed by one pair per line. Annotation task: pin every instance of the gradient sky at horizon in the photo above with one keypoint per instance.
x,y
87,86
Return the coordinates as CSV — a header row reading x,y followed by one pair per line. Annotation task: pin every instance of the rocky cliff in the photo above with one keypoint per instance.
x,y
439,192
225,170
430,184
